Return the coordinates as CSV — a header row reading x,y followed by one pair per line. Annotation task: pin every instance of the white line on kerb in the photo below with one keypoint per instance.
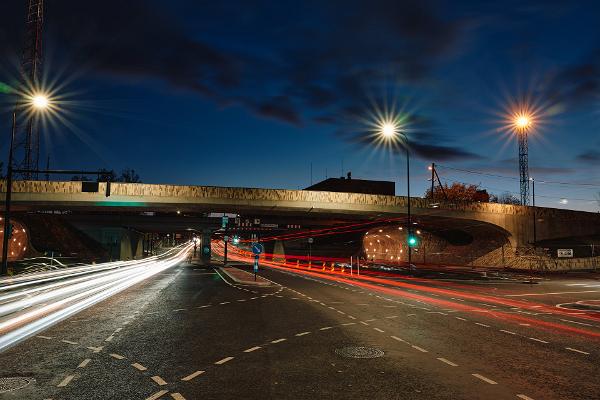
x,y
192,376
66,381
577,351
483,378
223,361
84,363
447,362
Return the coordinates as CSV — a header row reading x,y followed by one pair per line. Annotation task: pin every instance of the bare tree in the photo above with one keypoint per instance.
x,y
505,198
128,175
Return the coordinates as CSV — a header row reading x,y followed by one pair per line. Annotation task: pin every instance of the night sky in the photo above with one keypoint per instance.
x,y
251,93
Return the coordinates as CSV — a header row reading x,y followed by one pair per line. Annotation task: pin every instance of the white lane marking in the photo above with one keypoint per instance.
x,y
253,298
577,351
371,320
177,396
480,324
117,356
223,361
539,340
483,378
208,305
302,333
544,294
118,330
575,322
240,300
225,302
379,330
84,363
351,317
447,362
68,341
525,324
326,328
341,312
44,337
363,322
419,348
523,397
460,318
96,349
157,395
66,381
159,381
251,349
349,323
192,376
179,309
109,339
392,316
398,339
139,367
509,332
278,340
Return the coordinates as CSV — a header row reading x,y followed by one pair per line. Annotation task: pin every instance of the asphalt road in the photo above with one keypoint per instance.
x,y
189,333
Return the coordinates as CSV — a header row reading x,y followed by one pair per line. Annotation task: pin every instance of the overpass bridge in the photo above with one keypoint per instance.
x,y
515,223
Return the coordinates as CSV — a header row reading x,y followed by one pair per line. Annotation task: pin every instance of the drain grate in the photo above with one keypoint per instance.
x,y
359,352
14,383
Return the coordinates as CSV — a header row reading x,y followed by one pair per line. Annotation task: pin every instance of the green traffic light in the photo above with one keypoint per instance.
x,y
412,241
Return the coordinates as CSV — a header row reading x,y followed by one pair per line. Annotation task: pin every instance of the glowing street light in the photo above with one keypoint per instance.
x,y
522,122
390,130
37,102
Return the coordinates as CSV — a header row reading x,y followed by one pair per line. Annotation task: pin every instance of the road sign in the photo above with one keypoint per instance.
x,y
565,253
226,238
310,240
224,221
257,248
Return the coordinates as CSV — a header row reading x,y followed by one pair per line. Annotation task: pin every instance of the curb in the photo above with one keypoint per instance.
x,y
250,280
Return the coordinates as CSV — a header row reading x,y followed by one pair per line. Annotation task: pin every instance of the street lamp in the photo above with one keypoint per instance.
x,y
389,130
38,102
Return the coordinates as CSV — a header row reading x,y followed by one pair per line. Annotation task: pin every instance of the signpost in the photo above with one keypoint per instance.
x,y
257,249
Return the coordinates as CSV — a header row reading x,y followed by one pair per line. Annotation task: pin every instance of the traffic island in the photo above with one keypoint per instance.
x,y
242,277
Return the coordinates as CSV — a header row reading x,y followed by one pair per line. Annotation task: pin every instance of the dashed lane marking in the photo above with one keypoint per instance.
x,y
422,350
447,362
69,342
278,340
96,349
461,318
177,396
109,339
483,378
392,316
576,322
363,322
398,339
509,332
66,381
192,376
225,302
523,397
139,367
240,300
379,330
251,349
349,323
480,324
223,361
539,340
84,363
117,356
302,333
44,337
181,309
326,328
577,351
545,294
159,381
157,395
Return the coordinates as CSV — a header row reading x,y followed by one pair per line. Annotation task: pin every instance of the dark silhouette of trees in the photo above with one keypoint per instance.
x,y
128,175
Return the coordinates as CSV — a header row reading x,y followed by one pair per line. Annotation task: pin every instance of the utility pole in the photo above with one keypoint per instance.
x,y
432,180
523,165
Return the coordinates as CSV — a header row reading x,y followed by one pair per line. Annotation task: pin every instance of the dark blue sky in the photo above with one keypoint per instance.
x,y
243,93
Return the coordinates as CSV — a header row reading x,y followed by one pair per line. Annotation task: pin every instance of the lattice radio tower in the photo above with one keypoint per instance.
x,y
28,135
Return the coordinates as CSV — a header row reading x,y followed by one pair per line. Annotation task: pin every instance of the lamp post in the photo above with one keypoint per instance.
x,y
39,102
390,131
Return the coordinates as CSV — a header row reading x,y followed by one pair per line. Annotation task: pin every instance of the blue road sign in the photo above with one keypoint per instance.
x,y
257,248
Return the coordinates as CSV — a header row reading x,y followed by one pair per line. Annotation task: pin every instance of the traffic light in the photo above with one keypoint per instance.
x,y
412,240
236,240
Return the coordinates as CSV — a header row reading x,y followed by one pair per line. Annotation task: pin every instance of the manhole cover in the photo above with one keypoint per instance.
x,y
359,352
14,383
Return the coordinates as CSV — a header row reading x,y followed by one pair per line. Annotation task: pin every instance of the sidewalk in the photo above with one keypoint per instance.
x,y
243,277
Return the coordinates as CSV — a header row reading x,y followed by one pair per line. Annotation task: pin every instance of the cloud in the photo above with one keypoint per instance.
x,y
590,156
